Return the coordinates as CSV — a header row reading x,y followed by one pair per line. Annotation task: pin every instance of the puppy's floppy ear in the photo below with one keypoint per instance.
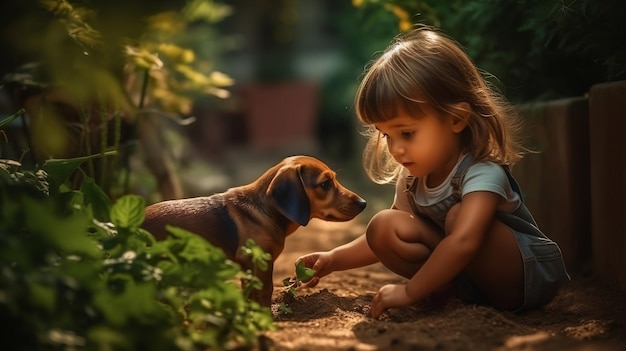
x,y
287,191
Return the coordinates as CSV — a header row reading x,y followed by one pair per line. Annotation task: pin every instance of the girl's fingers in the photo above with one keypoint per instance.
x,y
309,260
312,282
377,310
377,305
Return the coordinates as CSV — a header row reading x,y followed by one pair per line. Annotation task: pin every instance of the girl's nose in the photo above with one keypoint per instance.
x,y
396,149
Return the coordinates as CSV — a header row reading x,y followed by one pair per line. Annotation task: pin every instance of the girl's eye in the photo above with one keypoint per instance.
x,y
326,185
407,135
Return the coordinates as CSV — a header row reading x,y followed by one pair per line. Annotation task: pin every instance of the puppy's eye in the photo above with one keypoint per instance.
x,y
327,185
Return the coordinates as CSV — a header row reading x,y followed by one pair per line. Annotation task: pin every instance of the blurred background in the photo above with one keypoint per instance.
x,y
196,96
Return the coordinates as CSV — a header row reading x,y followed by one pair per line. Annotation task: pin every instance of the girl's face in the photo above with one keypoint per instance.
x,y
426,146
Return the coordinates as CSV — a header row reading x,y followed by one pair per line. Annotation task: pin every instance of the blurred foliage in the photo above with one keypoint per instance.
x,y
166,53
362,32
277,27
78,273
534,50
87,73
538,49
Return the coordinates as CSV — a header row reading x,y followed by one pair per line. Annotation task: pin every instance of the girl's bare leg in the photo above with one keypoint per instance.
x,y
498,268
402,242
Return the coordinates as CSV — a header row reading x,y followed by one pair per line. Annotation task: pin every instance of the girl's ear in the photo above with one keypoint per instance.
x,y
460,118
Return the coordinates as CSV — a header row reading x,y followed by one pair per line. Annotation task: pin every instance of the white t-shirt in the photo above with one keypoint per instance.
x,y
481,176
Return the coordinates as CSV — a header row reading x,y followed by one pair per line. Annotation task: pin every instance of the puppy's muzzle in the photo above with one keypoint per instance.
x,y
353,208
346,211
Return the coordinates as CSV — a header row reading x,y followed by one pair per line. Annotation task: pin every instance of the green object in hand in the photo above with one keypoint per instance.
x,y
303,273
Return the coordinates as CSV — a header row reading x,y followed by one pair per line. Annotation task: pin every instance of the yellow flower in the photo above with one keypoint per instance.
x,y
143,58
405,26
399,12
167,21
220,79
176,53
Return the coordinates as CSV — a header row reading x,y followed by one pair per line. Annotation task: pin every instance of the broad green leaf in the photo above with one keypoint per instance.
x,y
66,234
303,273
60,169
259,257
128,212
129,300
95,197
145,236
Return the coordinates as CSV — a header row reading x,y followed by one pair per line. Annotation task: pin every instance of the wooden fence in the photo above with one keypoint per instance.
x,y
575,185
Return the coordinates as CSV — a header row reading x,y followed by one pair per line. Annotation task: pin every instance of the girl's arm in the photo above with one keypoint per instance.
x,y
354,254
475,216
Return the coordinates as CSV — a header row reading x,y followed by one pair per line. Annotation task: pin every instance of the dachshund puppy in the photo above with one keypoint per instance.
x,y
285,197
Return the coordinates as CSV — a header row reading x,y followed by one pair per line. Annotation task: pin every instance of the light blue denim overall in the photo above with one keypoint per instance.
x,y
544,269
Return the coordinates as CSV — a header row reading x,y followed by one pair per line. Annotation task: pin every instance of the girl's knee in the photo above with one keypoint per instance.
x,y
379,227
401,241
392,227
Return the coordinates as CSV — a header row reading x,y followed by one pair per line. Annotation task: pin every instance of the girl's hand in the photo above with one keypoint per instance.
x,y
391,295
320,262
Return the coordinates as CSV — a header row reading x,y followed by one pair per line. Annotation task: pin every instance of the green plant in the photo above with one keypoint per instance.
x,y
78,273
100,76
537,49
303,274
291,284
260,260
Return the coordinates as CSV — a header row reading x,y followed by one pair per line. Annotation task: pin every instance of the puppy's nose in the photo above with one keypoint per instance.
x,y
361,203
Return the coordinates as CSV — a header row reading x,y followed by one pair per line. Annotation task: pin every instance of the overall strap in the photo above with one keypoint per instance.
x,y
457,178
411,185
522,215
513,182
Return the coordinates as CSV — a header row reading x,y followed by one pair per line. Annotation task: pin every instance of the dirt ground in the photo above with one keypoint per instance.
x,y
335,314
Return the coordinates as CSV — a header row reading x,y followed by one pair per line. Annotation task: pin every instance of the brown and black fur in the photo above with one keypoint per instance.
x,y
285,197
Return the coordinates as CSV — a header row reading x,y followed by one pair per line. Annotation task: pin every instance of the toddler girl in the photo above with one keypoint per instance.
x,y
457,221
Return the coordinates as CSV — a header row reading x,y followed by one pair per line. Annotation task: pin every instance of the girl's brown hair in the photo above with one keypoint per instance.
x,y
425,67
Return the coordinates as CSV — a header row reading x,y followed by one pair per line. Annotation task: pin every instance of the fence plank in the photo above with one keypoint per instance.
x,y
607,105
555,179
